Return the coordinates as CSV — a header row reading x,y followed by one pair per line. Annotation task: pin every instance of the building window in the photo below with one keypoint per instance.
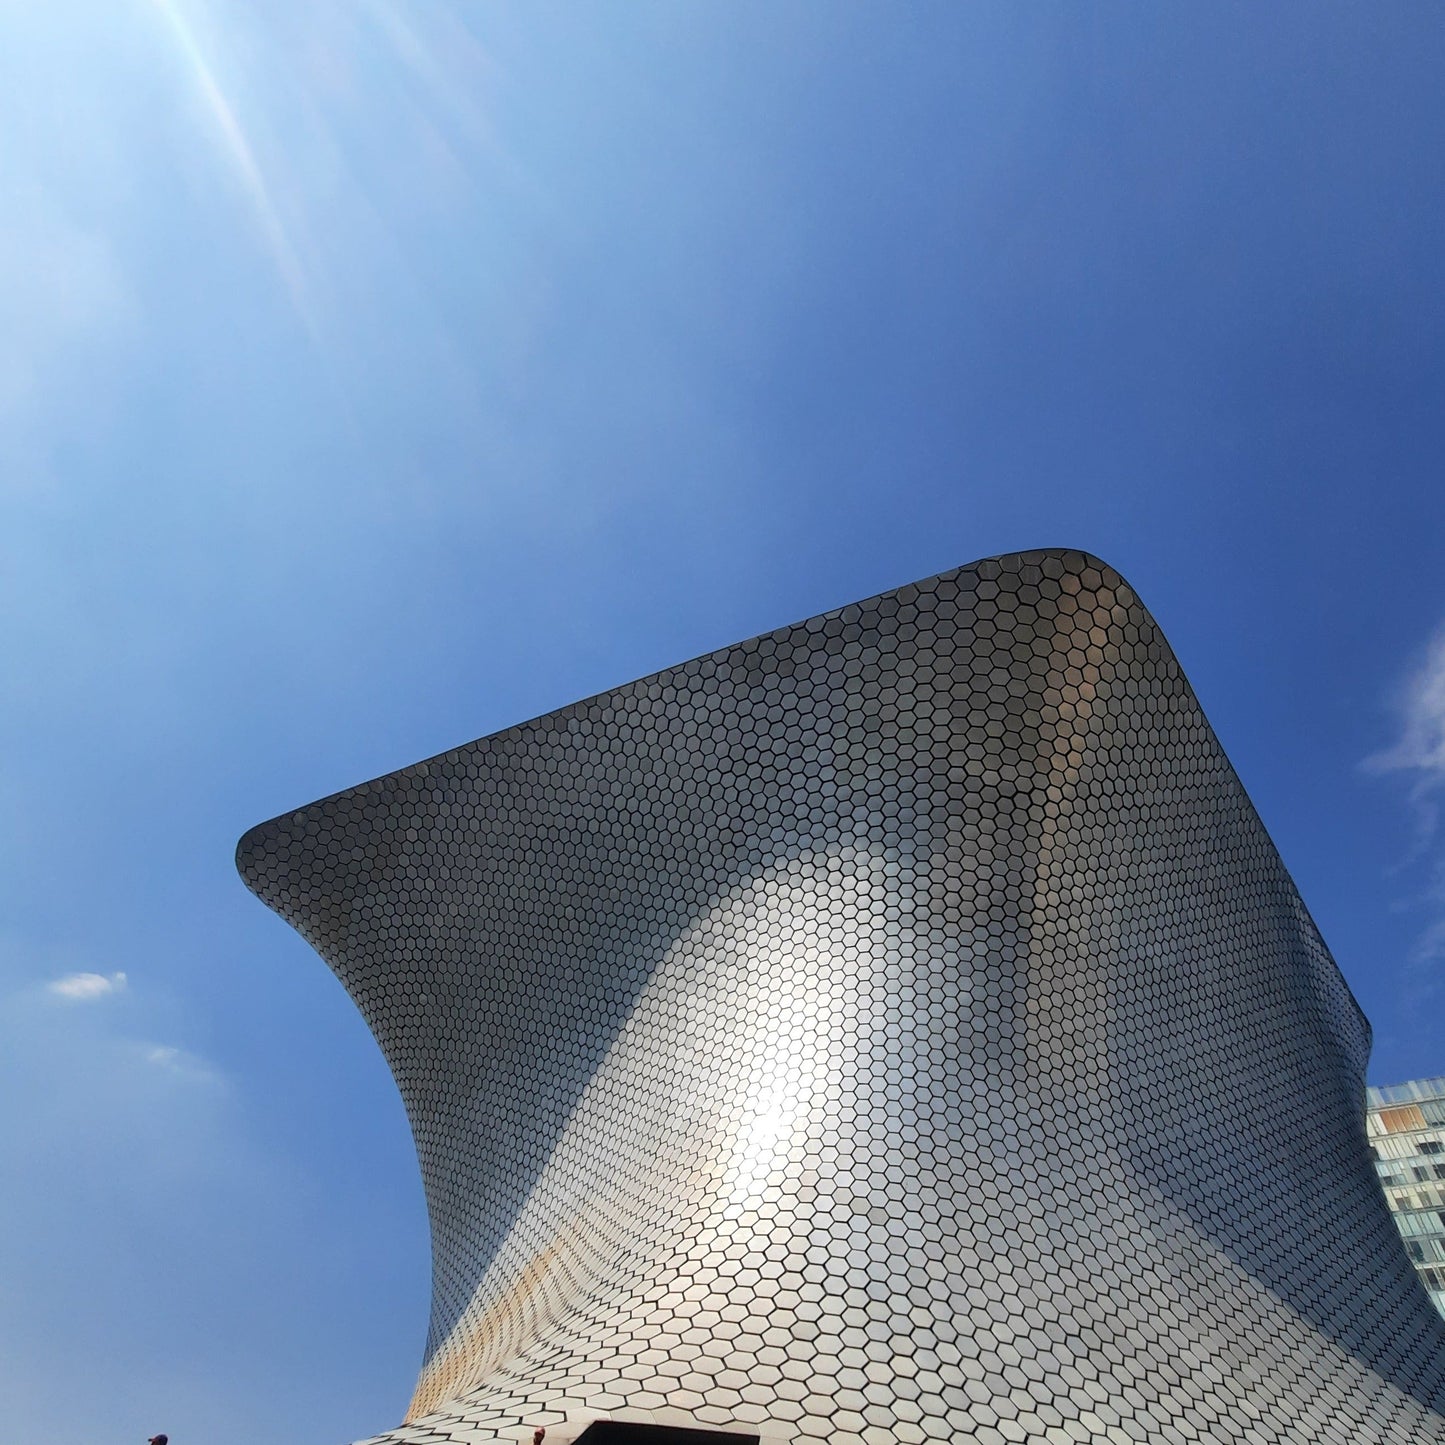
x,y
1415,1250
1432,1146
1397,1121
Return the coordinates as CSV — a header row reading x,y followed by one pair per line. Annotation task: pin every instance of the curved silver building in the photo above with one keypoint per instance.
x,y
896,1028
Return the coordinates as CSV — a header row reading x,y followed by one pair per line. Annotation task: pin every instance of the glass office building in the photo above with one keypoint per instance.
x,y
1407,1137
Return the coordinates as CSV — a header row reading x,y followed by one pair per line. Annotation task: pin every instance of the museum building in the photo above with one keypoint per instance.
x,y
898,1027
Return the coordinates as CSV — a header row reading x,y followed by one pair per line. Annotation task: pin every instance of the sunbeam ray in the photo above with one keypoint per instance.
x,y
242,158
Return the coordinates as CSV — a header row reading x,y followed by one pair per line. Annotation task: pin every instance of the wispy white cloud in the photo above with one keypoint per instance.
x,y
1419,750
167,1059
1417,755
84,987
1430,946
180,1063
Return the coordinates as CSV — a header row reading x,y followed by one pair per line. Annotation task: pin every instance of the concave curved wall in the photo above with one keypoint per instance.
x,y
898,1027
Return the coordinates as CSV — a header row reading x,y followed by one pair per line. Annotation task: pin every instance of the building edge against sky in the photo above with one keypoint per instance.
x,y
896,1027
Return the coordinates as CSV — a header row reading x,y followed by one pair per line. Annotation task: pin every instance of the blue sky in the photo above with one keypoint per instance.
x,y
374,375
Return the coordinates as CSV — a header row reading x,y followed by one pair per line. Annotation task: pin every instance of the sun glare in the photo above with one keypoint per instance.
x,y
241,158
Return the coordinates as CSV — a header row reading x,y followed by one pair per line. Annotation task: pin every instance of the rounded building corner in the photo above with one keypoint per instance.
x,y
918,981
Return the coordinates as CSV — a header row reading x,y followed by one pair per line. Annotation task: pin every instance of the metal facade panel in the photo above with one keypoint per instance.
x,y
898,1027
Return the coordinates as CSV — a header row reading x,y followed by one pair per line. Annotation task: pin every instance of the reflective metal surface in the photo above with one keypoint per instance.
x,y
898,1027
